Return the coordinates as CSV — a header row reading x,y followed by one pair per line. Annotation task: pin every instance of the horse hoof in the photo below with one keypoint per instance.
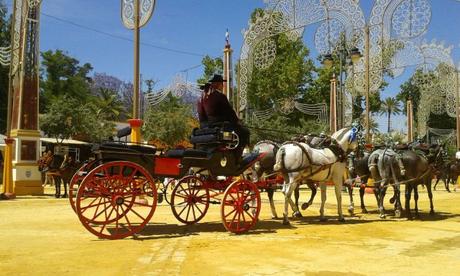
x,y
56,196
286,222
397,213
305,206
64,196
364,211
274,217
351,211
432,213
297,214
323,219
382,216
342,219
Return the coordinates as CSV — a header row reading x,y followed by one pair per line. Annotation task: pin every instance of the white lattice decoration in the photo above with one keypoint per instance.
x,y
127,12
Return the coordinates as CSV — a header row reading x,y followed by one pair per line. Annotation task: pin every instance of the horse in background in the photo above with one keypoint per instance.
x,y
61,169
299,162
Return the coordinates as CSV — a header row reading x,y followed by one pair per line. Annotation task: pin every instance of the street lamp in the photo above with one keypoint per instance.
x,y
346,57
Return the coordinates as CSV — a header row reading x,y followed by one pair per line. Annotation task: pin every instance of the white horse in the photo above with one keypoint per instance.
x,y
299,162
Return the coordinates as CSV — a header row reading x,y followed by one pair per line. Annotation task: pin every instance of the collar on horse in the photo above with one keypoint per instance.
x,y
337,151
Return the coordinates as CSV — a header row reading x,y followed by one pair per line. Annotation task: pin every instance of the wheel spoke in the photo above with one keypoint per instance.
x,y
126,218
97,208
201,212
253,218
183,209
188,213
193,211
103,211
136,213
140,203
83,209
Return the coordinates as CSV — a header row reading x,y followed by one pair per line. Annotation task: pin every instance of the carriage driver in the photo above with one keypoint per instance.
x,y
213,107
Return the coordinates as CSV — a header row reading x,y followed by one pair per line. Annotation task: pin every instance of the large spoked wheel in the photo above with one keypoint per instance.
x,y
189,200
76,180
116,200
240,206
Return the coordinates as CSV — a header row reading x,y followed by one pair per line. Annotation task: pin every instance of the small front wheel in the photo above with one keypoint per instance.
x,y
189,200
240,206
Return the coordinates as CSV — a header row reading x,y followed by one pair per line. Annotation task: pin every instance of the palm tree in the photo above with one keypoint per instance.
x,y
390,106
109,104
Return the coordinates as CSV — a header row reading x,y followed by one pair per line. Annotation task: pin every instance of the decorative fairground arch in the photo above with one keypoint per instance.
x,y
389,20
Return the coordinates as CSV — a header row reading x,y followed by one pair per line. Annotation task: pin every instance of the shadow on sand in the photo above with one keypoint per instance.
x,y
161,231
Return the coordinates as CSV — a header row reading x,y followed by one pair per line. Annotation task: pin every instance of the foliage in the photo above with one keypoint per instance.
x,y
5,25
62,75
410,90
390,138
66,118
278,129
108,104
62,119
170,122
211,66
390,106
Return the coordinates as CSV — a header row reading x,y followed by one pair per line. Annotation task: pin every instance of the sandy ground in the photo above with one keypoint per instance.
x,y
42,236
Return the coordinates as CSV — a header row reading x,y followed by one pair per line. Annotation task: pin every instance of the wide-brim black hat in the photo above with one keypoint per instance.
x,y
216,78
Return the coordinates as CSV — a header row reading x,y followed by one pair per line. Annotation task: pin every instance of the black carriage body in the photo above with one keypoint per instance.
x,y
175,163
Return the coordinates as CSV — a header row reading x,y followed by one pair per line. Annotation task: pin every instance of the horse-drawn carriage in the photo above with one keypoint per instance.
x,y
117,192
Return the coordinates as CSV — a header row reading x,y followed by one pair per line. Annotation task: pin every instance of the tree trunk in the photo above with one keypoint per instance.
x,y
389,121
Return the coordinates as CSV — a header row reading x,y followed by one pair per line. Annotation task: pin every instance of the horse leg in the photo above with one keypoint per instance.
x,y
297,213
57,185
338,183
65,186
435,184
408,193
323,201
417,215
446,184
270,192
313,189
382,191
288,201
351,207
362,190
430,196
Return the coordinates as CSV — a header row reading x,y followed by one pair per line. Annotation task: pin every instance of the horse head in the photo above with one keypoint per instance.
x,y
347,139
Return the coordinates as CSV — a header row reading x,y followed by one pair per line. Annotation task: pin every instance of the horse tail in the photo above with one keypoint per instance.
x,y
279,165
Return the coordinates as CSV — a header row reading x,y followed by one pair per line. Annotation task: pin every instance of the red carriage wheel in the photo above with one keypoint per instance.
x,y
240,206
76,180
116,200
189,200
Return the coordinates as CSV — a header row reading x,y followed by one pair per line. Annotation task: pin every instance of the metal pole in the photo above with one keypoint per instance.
x,y
366,76
457,106
136,59
333,106
410,131
340,94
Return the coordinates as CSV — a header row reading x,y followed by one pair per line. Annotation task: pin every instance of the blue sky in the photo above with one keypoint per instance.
x,y
193,26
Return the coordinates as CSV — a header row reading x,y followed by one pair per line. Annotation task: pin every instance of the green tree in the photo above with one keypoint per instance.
x,y
390,106
5,25
211,66
169,122
67,118
62,75
108,104
63,119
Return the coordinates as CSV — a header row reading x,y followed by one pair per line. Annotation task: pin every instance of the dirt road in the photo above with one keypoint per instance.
x,y
42,236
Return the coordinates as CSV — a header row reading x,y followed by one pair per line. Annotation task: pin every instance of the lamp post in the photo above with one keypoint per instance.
x,y
457,106
346,57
